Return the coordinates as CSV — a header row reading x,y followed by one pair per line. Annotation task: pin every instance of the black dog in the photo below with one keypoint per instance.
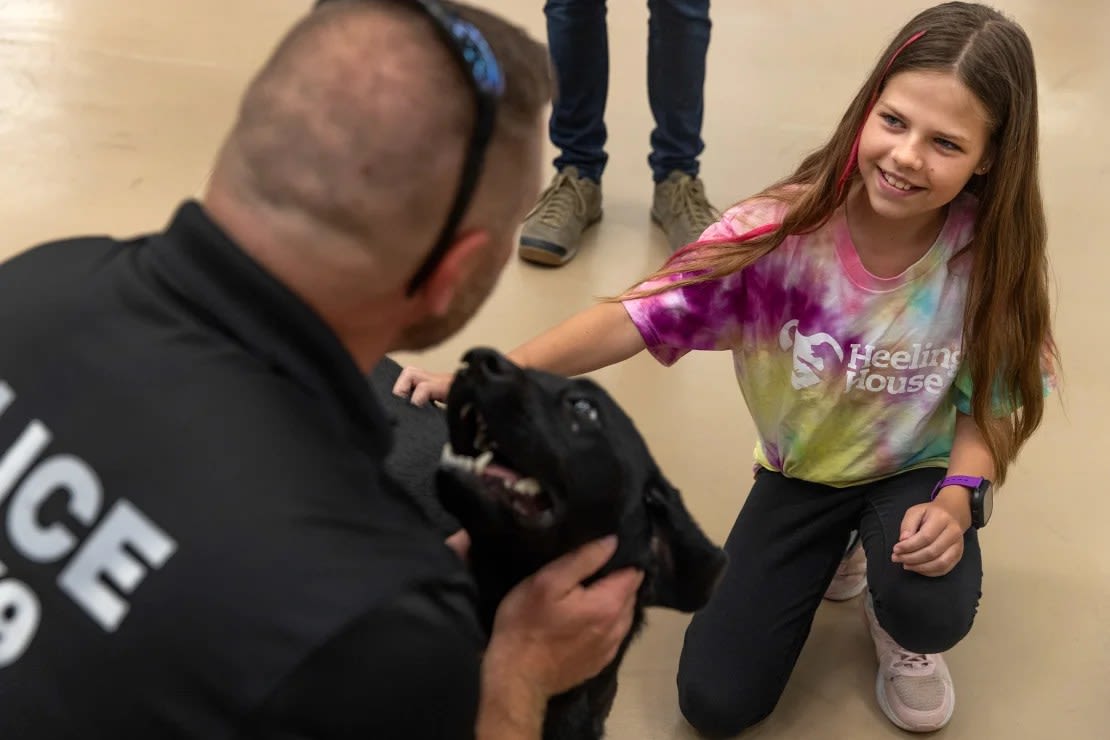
x,y
538,465
563,465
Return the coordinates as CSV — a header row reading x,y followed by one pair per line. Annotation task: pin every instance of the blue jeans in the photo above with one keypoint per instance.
x,y
678,39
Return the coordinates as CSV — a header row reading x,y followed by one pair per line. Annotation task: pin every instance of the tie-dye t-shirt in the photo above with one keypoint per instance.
x,y
849,377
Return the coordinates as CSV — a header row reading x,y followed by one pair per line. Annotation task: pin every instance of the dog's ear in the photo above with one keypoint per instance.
x,y
686,565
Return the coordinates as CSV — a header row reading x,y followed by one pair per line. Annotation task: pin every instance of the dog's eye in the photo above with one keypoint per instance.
x,y
582,411
586,410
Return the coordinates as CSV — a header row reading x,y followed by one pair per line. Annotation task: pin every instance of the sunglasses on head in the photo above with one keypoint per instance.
x,y
484,77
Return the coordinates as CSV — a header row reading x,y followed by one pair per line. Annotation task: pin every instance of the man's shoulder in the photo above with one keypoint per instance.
x,y
71,254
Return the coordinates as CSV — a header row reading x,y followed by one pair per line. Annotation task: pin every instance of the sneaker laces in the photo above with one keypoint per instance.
x,y
562,198
914,662
687,200
914,679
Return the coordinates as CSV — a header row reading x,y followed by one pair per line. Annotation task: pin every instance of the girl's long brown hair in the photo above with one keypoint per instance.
x,y
1007,329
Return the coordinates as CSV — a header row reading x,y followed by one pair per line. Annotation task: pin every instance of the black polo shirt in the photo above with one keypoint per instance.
x,y
196,536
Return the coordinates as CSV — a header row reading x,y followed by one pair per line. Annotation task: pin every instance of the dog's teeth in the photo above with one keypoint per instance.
x,y
449,456
527,486
482,461
451,459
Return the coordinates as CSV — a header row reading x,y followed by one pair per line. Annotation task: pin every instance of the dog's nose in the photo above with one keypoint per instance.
x,y
489,365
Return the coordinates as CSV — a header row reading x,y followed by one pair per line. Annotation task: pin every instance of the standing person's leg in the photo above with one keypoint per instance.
x,y
914,618
577,35
678,43
740,649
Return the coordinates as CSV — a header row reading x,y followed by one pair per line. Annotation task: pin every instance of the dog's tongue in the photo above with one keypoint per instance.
x,y
501,473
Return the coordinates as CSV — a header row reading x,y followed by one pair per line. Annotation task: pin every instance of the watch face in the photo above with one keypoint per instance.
x,y
986,495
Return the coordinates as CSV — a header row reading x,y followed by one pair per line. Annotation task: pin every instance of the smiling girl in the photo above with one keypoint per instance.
x,y
887,310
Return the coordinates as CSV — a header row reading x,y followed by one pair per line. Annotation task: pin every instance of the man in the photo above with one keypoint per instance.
x,y
199,541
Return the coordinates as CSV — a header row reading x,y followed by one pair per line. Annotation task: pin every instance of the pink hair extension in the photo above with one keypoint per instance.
x,y
746,236
849,166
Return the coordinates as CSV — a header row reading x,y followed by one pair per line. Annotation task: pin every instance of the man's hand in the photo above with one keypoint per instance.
x,y
932,538
551,633
421,386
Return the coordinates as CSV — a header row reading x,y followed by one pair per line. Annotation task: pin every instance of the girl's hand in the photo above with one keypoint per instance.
x,y
932,539
459,542
421,386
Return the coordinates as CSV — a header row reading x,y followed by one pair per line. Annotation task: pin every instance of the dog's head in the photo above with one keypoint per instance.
x,y
539,464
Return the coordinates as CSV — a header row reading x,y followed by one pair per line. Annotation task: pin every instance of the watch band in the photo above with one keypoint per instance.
x,y
967,481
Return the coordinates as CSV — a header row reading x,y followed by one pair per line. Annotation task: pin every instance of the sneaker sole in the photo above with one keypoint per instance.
x,y
549,254
540,252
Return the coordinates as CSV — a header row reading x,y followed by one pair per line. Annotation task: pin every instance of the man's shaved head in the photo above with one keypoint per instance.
x,y
360,119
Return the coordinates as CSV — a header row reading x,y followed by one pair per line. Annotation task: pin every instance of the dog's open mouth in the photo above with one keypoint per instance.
x,y
475,453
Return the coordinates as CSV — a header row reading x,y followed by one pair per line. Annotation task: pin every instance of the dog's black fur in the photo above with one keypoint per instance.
x,y
595,476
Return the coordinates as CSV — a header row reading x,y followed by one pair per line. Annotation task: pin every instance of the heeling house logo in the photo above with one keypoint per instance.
x,y
812,354
819,357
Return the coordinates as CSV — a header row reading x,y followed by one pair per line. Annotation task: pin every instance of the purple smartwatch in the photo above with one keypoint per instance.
x,y
982,499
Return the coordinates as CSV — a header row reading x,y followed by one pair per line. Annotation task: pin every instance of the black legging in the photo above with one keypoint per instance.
x,y
783,551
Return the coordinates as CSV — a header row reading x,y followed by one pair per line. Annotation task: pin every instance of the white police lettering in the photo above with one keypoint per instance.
x,y
20,455
103,554
100,562
19,618
59,473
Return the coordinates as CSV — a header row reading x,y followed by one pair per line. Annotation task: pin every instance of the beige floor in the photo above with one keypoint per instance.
x,y
110,110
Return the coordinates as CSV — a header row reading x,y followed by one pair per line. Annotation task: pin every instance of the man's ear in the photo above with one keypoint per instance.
x,y
453,271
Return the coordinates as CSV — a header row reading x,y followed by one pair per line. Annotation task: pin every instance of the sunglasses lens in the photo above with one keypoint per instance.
x,y
480,59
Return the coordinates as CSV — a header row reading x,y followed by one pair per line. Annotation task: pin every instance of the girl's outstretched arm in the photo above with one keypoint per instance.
x,y
600,336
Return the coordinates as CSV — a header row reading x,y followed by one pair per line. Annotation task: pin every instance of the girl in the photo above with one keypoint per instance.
x,y
887,310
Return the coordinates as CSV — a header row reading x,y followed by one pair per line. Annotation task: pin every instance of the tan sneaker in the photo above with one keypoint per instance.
x,y
851,575
553,230
915,691
681,209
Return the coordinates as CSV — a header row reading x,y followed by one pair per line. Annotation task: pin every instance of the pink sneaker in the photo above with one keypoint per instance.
x,y
915,691
850,578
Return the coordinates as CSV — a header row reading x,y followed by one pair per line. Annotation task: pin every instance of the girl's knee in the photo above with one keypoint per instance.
x,y
924,620
721,711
